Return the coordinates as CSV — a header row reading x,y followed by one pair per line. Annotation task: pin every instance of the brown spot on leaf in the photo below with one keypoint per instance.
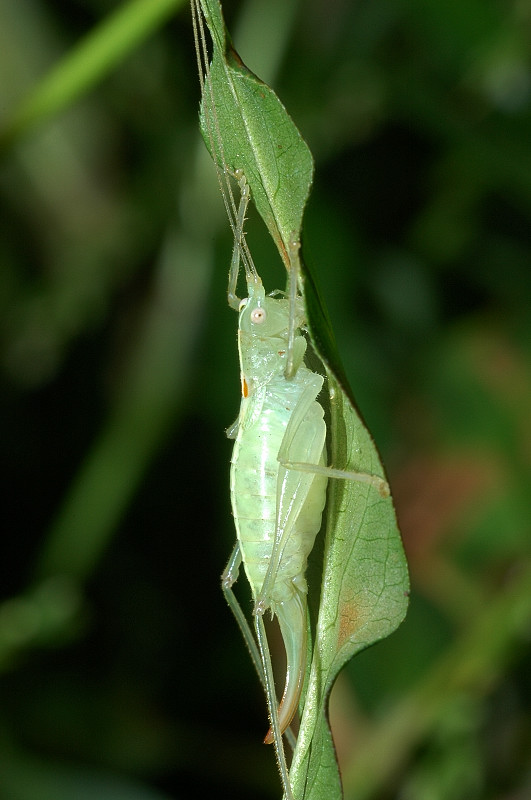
x,y
350,621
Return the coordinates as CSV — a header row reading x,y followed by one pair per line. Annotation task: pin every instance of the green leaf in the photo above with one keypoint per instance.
x,y
363,594
365,582
257,135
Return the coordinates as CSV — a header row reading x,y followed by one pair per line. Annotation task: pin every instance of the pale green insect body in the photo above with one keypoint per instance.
x,y
277,509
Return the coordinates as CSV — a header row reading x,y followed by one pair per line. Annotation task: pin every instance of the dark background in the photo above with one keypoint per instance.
x,y
122,672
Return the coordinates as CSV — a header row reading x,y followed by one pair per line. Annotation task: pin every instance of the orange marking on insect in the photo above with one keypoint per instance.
x,y
245,387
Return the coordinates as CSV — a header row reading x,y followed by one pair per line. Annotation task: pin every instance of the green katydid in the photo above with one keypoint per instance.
x,y
279,475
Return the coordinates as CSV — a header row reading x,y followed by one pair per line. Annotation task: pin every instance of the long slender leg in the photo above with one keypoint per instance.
x,y
293,288
228,578
272,705
232,297
358,477
240,250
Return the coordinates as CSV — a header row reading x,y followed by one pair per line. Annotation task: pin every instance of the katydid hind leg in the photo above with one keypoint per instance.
x,y
300,500
301,441
302,474
228,579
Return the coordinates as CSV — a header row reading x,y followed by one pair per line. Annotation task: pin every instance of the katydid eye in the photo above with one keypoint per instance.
x,y
258,315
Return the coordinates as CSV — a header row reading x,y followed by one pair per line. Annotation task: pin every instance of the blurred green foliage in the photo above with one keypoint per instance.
x,y
122,673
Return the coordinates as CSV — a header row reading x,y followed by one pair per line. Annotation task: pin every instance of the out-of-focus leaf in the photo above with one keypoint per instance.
x,y
93,58
28,779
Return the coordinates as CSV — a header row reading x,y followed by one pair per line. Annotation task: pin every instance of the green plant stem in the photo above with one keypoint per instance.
x,y
88,62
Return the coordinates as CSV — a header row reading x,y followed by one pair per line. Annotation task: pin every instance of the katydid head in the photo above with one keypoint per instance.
x,y
264,317
264,342
267,316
